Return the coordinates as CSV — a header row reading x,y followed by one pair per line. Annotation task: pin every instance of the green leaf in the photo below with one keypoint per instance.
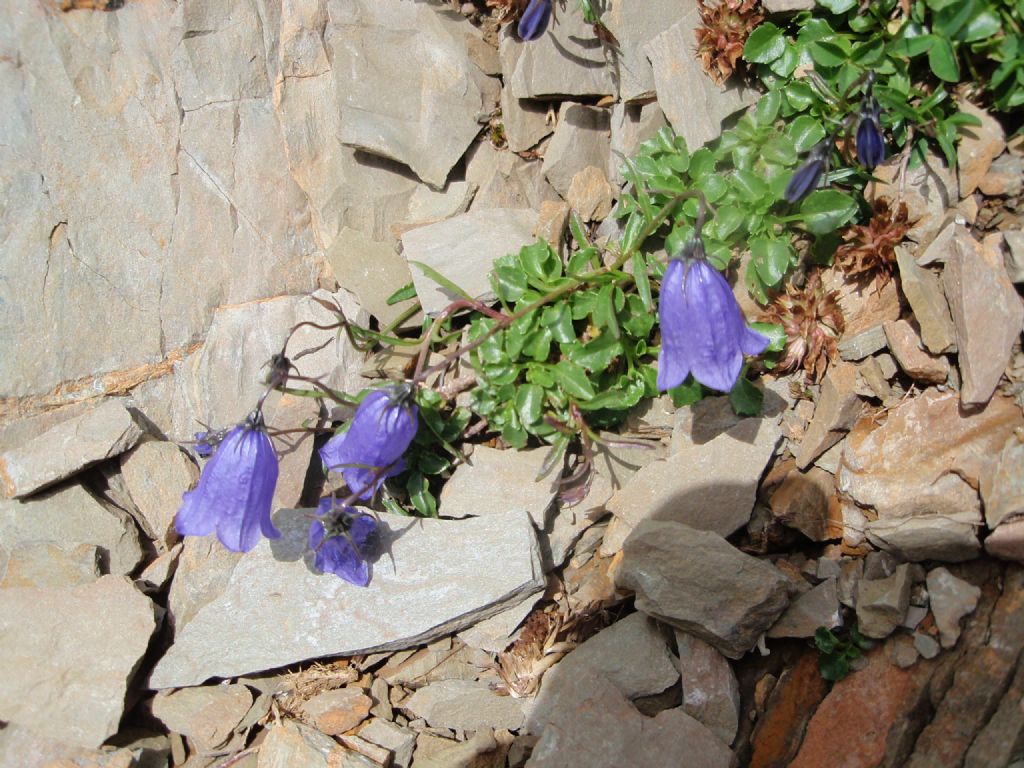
x,y
805,132
540,262
406,292
799,95
942,60
597,354
824,640
529,403
582,261
432,464
776,334
780,150
509,280
748,185
771,258
573,379
765,44
828,53
745,398
643,281
559,319
825,210
441,280
837,6
538,346
727,220
420,495
604,311
578,233
767,108
687,393
983,26
833,667
702,163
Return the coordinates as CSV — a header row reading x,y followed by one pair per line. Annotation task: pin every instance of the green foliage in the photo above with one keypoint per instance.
x,y
835,653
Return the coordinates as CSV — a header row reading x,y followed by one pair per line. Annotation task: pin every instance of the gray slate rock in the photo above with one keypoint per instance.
x,y
101,433
44,564
65,671
370,269
290,744
950,599
882,603
582,138
415,595
401,741
819,607
693,104
463,249
397,117
465,705
497,482
156,475
67,517
711,693
631,126
495,633
1013,259
1003,490
924,294
698,582
207,715
525,121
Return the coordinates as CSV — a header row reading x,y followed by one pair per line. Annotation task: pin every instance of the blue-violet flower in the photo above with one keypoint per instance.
x,y
371,450
870,142
534,20
235,490
703,331
344,542
807,177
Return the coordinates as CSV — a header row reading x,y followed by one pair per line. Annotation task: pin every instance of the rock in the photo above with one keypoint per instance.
x,y
978,146
1002,490
600,728
464,705
694,105
802,502
634,24
1014,259
930,189
44,564
208,715
898,705
1003,178
905,342
590,194
203,570
498,481
790,705
157,574
566,61
924,294
525,121
495,634
1003,734
882,603
156,475
835,412
697,582
506,180
710,481
951,537
271,586
463,249
711,693
400,741
987,314
370,269
859,346
55,655
290,744
552,223
435,662
951,599
67,517
581,139
434,752
902,651
631,126
817,608
786,6
337,711
924,463
926,645
438,79
1007,541
101,433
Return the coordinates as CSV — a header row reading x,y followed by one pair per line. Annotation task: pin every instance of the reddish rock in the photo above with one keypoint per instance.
x,y
802,502
979,146
835,411
1007,541
790,706
869,719
924,294
906,345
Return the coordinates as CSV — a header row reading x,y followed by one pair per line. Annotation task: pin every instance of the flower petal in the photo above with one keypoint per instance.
x,y
534,20
673,367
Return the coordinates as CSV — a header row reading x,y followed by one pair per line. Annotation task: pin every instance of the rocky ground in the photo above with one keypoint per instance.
x,y
181,177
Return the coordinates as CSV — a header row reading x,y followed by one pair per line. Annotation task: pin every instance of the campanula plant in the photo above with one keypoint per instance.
x,y
534,21
344,541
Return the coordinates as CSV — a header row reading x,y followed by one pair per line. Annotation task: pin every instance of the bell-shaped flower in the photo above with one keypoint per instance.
x,y
371,450
235,490
344,542
870,141
703,331
534,20
806,178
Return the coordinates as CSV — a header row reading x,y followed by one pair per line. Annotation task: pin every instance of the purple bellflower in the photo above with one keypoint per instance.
x,y
870,142
534,20
235,490
703,331
344,542
371,450
807,177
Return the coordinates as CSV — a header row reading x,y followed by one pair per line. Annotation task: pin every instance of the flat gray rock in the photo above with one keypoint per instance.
x,y
525,121
950,599
465,705
425,118
631,126
67,656
818,607
698,582
400,741
924,294
711,693
438,578
370,269
882,603
156,475
693,104
207,715
44,564
582,138
1003,490
100,433
496,482
290,744
70,516
495,633
463,249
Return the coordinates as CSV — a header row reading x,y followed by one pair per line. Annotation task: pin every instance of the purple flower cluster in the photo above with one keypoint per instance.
x,y
703,331
344,541
534,20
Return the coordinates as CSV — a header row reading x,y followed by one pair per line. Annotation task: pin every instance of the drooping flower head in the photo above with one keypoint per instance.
x,y
870,142
344,542
235,490
806,178
703,331
534,20
371,450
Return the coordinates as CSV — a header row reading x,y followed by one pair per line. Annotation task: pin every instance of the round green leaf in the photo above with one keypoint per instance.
x,y
805,132
825,210
529,403
765,44
942,60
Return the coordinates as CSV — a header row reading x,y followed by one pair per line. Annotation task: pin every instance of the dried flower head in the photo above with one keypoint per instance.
x,y
871,248
725,27
813,322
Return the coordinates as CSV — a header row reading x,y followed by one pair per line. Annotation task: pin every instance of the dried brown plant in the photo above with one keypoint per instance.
x,y
870,249
813,322
725,27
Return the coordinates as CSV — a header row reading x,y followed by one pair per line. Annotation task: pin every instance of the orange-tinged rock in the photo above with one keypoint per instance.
x,y
792,702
